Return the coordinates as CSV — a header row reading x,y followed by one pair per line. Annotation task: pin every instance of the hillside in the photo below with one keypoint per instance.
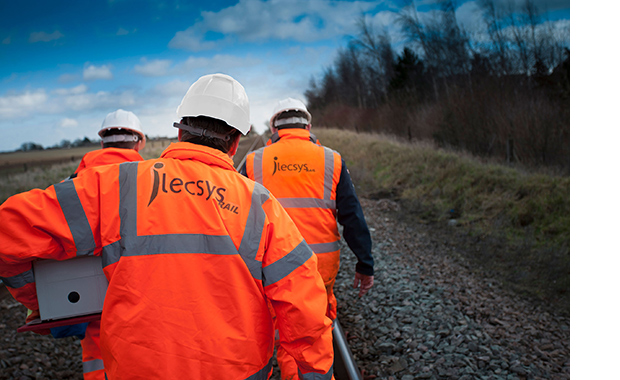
x,y
512,224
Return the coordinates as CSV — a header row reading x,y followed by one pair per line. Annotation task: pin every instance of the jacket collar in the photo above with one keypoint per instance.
x,y
106,156
195,152
292,134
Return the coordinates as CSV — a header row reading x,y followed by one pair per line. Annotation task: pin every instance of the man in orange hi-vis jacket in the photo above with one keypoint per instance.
x,y
195,254
312,183
121,140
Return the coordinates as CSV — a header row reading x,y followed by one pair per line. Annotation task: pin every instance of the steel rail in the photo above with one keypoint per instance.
x,y
258,138
345,367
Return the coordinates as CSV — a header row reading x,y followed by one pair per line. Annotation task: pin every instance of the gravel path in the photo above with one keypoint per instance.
x,y
427,317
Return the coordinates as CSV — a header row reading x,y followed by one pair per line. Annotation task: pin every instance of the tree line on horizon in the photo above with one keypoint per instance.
x,y
504,94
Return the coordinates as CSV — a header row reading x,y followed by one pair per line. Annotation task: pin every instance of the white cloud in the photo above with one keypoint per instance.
x,y
218,63
99,100
79,89
190,39
66,78
44,37
172,89
6,41
65,100
68,123
122,31
297,20
153,68
92,72
16,105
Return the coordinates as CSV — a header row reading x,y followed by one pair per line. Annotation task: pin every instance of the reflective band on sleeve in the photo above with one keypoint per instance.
x,y
248,248
92,365
19,280
258,166
263,374
307,203
325,247
287,264
128,205
329,173
111,253
317,376
76,218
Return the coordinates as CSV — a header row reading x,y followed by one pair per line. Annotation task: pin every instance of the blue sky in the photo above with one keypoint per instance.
x,y
65,64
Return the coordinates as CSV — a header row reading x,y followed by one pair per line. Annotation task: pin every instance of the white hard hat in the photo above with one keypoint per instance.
x,y
290,104
218,96
121,119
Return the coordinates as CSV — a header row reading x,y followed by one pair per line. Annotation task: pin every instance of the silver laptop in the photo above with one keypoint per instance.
x,y
70,288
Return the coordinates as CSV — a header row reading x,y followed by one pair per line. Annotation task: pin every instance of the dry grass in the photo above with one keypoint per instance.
x,y
40,169
516,223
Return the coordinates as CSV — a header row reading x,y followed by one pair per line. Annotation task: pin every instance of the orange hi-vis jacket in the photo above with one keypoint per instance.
x,y
194,253
303,176
92,359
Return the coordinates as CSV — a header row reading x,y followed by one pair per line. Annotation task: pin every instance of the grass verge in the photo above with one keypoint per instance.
x,y
513,225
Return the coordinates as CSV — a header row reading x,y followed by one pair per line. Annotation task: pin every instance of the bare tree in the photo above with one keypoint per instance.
x,y
499,53
379,56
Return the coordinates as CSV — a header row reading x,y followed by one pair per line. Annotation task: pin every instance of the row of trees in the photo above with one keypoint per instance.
x,y
64,144
504,93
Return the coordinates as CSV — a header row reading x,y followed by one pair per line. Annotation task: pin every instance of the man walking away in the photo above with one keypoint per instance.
x,y
121,141
313,184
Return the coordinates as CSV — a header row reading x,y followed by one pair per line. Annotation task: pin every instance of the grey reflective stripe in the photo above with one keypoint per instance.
x,y
250,243
127,211
168,244
317,376
258,166
76,218
19,280
307,203
263,374
128,205
92,365
111,253
325,247
287,264
329,173
180,243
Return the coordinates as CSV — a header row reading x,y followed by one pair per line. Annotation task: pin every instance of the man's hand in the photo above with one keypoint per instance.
x,y
364,282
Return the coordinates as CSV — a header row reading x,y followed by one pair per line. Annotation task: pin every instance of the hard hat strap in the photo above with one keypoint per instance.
x,y
120,138
291,120
201,132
